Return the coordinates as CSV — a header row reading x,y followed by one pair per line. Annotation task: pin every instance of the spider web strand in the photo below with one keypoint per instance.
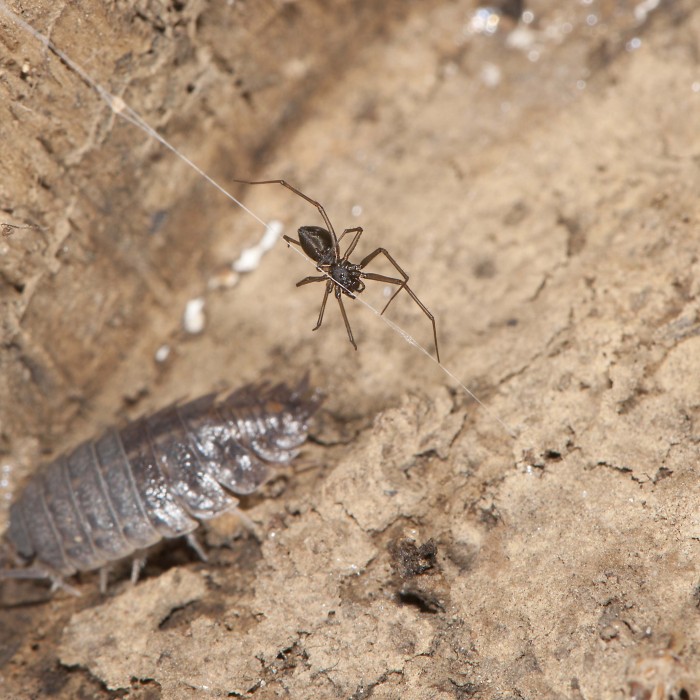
x,y
119,107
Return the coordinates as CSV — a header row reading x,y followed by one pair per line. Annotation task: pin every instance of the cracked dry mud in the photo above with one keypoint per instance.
x,y
545,205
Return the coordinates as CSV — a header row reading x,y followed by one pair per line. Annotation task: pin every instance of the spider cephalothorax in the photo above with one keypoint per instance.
x,y
318,244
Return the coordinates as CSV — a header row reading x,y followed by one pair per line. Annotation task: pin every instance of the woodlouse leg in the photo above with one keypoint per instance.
x,y
193,542
137,565
249,525
60,584
104,579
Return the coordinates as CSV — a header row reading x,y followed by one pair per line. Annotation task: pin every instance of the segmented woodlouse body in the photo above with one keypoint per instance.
x,y
155,478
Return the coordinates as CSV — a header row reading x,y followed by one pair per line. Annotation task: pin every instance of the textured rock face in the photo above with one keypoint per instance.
x,y
539,185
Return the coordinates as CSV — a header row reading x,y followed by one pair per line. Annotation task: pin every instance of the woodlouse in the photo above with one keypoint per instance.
x,y
155,478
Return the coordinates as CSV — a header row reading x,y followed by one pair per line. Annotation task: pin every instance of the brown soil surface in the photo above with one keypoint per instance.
x,y
540,186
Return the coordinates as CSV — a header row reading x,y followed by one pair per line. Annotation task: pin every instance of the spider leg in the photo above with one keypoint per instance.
x,y
312,278
318,205
383,251
358,232
291,240
338,296
388,280
402,284
329,286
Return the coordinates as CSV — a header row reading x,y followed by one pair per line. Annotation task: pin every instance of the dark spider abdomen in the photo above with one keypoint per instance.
x,y
317,243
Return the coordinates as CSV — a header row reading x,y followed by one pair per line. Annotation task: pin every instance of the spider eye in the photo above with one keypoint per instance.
x,y
315,241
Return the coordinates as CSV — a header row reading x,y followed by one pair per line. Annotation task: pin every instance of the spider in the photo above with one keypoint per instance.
x,y
340,275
